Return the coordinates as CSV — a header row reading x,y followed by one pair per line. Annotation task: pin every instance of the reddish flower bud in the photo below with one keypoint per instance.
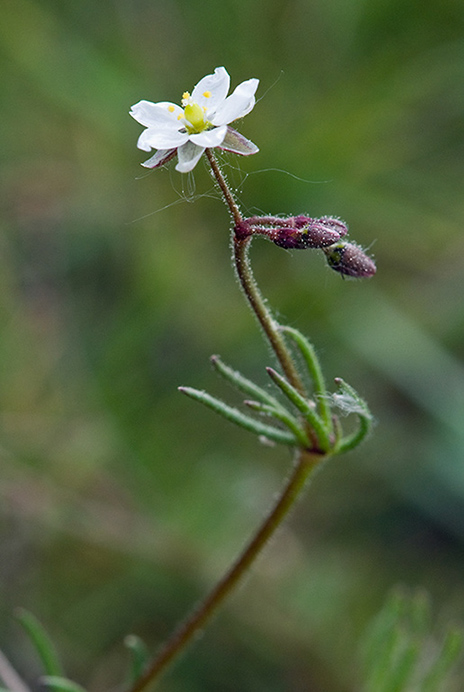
x,y
329,222
350,260
313,235
335,224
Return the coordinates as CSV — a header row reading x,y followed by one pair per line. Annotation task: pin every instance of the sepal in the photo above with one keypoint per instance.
x,y
237,143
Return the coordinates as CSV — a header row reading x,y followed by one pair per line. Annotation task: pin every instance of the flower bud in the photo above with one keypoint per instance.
x,y
335,224
315,234
350,260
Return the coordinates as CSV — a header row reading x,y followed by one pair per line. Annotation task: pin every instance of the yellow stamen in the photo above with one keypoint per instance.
x,y
171,109
206,94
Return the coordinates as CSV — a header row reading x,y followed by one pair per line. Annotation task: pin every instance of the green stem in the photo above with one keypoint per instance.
x,y
229,199
269,325
305,461
250,287
304,464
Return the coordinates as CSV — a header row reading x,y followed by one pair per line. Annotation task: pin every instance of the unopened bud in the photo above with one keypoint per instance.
x,y
335,224
350,260
314,234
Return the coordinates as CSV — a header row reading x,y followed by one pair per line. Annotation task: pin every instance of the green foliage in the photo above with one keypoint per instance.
x,y
402,652
42,643
315,413
113,487
139,656
59,684
53,677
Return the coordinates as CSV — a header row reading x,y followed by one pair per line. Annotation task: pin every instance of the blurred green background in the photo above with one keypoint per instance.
x,y
121,500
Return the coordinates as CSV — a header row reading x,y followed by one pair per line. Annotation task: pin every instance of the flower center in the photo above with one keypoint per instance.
x,y
194,114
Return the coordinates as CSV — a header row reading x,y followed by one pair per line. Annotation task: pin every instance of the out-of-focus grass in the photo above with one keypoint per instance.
x,y
121,500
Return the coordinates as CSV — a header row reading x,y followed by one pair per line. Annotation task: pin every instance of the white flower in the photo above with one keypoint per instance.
x,y
202,122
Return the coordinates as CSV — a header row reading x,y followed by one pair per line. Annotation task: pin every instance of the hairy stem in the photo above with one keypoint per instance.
x,y
250,287
305,462
228,197
258,305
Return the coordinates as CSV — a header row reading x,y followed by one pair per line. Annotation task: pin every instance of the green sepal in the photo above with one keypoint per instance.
x,y
315,372
60,684
284,416
304,406
235,416
42,643
242,383
349,401
138,656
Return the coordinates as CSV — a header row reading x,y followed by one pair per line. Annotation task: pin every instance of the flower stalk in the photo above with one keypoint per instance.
x,y
304,465
250,287
305,422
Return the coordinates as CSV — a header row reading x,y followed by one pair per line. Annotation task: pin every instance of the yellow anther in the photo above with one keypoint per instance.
x,y
171,109
206,94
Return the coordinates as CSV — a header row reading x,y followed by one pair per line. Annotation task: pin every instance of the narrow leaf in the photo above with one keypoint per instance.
x,y
451,649
381,643
60,684
404,667
303,406
315,371
236,416
242,383
285,417
41,641
139,656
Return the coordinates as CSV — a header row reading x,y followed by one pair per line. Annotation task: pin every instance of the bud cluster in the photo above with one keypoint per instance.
x,y
302,232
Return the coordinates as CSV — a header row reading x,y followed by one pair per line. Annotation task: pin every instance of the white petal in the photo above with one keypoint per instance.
x,y
142,141
237,104
217,85
210,138
161,139
160,115
161,157
234,141
189,155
